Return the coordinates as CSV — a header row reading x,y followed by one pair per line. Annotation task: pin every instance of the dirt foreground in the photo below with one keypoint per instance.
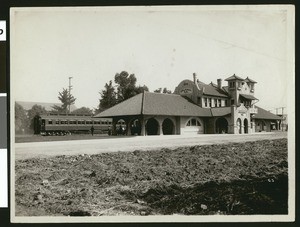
x,y
235,178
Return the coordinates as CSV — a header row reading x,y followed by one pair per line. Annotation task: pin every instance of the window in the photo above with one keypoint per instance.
x,y
62,122
193,122
216,103
209,102
50,122
219,102
226,102
205,102
232,84
232,101
57,122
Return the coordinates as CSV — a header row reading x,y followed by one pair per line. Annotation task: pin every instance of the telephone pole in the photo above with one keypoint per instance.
x,y
282,117
70,88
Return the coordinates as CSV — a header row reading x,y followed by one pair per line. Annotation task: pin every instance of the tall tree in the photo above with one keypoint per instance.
x,y
108,97
66,99
21,119
36,110
126,87
83,110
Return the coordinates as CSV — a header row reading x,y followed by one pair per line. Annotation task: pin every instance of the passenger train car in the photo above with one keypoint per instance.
x,y
62,124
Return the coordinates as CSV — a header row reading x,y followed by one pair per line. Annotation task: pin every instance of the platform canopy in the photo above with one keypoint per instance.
x,y
148,103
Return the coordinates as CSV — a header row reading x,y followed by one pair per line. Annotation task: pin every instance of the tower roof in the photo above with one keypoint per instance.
x,y
234,77
249,80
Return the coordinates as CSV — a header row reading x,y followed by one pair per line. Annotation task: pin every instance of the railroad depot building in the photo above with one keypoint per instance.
x,y
195,108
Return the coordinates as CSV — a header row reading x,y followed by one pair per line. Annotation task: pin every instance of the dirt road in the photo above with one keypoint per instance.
x,y
46,149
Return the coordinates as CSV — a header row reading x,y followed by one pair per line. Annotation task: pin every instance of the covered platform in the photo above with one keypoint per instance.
x,y
157,114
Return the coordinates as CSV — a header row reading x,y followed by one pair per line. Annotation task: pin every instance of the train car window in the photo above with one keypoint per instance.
x,y
62,122
50,122
109,122
57,122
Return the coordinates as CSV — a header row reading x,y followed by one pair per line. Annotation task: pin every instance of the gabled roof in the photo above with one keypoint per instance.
x,y
234,77
263,114
149,103
220,111
211,90
249,80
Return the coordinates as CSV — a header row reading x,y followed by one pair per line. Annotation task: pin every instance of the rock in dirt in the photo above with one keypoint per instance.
x,y
203,207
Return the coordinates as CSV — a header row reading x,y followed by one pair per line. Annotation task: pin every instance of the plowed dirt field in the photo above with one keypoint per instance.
x,y
234,178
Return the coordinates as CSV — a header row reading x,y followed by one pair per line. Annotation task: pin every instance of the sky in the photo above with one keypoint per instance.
x,y
161,45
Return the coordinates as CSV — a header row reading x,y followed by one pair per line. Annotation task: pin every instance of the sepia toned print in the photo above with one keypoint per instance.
x,y
152,114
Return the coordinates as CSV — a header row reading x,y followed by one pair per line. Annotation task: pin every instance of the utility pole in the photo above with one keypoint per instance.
x,y
70,88
282,117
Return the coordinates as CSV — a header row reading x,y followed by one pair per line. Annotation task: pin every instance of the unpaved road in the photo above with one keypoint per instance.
x,y
46,149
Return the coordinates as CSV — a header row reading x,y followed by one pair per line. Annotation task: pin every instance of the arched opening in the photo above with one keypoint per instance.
x,y
194,125
135,127
152,127
221,125
239,125
167,127
245,126
121,127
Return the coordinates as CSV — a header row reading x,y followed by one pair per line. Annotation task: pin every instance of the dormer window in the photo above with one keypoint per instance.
x,y
232,84
209,102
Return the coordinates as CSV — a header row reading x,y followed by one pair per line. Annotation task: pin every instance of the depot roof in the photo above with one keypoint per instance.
x,y
263,114
149,103
212,90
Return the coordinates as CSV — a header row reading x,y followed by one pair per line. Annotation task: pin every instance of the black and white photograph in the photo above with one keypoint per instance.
x,y
152,114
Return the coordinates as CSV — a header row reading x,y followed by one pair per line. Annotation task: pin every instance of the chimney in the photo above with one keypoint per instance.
x,y
195,77
219,83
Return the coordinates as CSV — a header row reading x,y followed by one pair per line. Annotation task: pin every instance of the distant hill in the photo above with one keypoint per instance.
x,y
48,106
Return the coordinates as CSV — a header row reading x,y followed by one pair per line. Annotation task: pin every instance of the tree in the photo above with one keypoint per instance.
x,y
108,97
125,89
163,90
67,99
141,89
83,110
21,120
36,110
125,86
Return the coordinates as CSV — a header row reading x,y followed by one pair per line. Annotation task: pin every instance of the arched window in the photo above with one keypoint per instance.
x,y
193,122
